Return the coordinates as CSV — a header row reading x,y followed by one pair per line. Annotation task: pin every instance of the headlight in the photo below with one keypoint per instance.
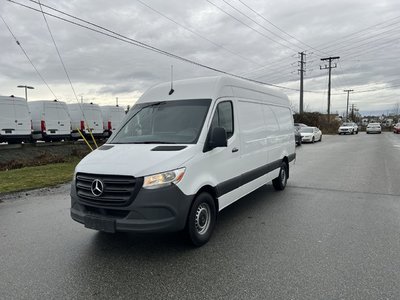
x,y
163,179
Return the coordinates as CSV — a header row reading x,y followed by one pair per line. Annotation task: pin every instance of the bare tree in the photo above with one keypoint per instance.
x,y
396,111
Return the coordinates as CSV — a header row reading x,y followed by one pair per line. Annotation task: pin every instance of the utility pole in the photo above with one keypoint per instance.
x,y
354,111
329,67
301,70
347,105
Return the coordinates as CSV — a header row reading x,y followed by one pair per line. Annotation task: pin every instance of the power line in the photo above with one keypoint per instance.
x,y
137,43
281,30
196,33
58,52
26,55
262,26
248,26
362,31
355,45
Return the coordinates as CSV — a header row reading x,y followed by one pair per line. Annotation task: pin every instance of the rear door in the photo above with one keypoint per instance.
x,y
8,120
64,121
22,119
94,119
51,118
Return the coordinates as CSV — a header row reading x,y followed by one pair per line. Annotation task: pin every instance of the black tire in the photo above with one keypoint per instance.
x,y
320,139
313,140
357,132
352,132
279,182
201,220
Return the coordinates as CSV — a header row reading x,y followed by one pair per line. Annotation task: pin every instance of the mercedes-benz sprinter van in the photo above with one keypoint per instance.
x,y
15,121
112,117
182,155
50,120
87,118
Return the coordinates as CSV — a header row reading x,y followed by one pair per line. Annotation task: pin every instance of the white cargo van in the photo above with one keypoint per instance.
x,y
112,117
50,120
15,122
84,116
182,155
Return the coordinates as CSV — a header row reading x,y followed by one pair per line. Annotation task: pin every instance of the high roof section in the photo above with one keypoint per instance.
x,y
212,88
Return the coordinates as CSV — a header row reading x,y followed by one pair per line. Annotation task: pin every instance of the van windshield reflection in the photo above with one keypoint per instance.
x,y
164,122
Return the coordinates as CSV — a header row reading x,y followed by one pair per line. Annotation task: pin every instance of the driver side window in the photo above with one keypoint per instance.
x,y
223,117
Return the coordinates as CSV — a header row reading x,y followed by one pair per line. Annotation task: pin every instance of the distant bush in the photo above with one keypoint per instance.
x,y
319,120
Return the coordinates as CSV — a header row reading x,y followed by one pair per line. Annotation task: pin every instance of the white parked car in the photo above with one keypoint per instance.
x,y
374,128
310,134
348,127
183,155
15,121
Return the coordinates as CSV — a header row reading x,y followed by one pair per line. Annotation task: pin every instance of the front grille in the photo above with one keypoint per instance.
x,y
118,191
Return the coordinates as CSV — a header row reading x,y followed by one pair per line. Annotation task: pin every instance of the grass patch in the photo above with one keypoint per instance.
x,y
36,177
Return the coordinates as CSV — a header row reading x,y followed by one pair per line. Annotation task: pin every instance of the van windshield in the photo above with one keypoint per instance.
x,y
165,122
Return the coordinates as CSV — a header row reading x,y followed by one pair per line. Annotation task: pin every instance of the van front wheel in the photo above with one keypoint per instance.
x,y
279,182
201,220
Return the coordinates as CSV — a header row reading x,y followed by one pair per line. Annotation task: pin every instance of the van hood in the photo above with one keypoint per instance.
x,y
135,159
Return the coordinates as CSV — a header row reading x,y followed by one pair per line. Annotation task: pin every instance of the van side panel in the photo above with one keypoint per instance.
x,y
273,135
253,133
285,121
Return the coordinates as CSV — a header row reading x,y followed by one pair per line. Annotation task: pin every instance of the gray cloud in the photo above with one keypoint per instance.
x,y
103,68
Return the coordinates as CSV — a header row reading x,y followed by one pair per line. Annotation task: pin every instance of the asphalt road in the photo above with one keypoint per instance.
x,y
334,233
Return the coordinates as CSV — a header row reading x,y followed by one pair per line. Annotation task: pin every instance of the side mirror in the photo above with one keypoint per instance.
x,y
216,138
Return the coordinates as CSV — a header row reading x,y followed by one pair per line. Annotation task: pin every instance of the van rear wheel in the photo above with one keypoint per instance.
x,y
201,220
279,182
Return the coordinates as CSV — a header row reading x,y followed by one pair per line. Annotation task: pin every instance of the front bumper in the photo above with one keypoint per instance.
x,y
345,130
158,210
306,139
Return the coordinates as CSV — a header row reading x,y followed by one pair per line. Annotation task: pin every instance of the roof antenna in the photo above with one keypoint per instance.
x,y
116,98
172,80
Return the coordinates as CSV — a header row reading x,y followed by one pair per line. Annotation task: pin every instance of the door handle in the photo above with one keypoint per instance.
x,y
235,150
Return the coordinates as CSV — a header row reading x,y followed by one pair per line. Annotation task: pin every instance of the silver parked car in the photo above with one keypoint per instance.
x,y
310,134
374,128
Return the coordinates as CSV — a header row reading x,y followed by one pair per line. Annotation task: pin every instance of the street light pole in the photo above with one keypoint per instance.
x,y
26,87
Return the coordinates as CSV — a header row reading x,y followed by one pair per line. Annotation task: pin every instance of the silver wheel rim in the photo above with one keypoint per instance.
x,y
203,218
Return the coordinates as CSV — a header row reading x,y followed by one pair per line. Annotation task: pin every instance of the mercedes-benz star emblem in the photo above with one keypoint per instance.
x,y
97,187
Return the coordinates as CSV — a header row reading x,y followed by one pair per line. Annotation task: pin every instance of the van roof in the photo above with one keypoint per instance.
x,y
212,88
73,105
46,101
15,99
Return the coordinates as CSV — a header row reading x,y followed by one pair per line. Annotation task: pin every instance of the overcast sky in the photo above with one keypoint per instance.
x,y
257,39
